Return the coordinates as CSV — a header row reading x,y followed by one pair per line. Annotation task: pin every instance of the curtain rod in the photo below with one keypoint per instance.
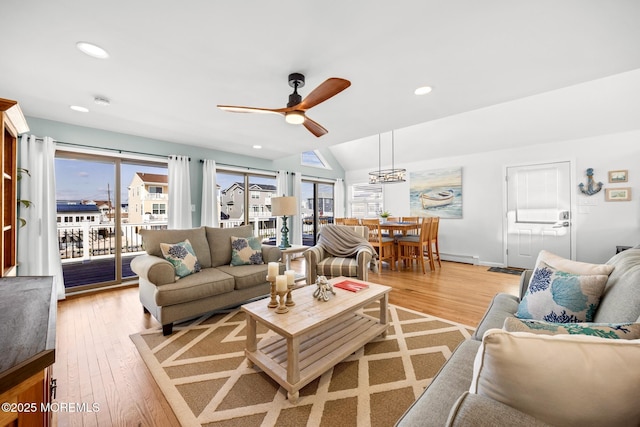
x,y
247,168
117,150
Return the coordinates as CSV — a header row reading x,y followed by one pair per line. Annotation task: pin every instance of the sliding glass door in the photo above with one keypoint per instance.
x,y
246,199
317,209
102,203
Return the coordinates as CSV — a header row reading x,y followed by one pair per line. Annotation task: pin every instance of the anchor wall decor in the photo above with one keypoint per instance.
x,y
592,186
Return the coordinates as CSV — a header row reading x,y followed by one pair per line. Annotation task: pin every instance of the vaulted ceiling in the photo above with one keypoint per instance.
x,y
172,62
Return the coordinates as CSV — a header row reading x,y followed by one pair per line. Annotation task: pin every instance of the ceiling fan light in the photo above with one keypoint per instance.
x,y
294,117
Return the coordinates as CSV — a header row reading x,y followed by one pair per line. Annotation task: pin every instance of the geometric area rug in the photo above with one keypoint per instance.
x,y
202,371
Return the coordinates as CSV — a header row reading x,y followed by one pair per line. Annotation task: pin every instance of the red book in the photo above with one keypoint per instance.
x,y
348,285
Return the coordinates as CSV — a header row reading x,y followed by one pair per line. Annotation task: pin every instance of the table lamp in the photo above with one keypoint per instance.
x,y
284,206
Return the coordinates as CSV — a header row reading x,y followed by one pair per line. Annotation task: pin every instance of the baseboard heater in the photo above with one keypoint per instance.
x,y
465,259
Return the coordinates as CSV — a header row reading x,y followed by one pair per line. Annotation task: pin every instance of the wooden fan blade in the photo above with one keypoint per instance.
x,y
314,127
239,109
329,88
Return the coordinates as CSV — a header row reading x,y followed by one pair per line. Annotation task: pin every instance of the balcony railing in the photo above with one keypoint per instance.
x,y
88,241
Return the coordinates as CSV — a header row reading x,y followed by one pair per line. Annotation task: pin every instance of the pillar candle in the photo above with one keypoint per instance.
x,y
273,268
281,283
291,277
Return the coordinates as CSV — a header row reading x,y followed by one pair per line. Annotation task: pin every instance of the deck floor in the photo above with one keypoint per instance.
x,y
94,271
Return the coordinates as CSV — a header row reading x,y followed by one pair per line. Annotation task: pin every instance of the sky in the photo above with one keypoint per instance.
x,y
92,180
79,179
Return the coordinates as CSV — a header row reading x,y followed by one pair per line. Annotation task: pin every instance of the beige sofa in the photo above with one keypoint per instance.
x,y
218,285
447,401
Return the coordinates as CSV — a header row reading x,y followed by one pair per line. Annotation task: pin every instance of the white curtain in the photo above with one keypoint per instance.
x,y
38,252
210,212
281,190
338,199
296,229
179,209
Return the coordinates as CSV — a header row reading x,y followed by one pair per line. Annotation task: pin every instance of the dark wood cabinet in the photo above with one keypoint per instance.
x,y
27,339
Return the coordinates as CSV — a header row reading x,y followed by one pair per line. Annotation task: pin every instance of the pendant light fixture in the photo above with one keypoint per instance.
x,y
387,176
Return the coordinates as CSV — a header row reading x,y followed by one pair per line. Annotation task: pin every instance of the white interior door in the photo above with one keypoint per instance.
x,y
538,212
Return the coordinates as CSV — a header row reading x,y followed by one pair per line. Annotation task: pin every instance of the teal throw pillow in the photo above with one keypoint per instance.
x,y
625,331
246,250
182,256
561,297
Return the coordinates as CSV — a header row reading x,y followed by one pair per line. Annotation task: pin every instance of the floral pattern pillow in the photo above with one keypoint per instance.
x,y
559,297
625,331
246,250
182,256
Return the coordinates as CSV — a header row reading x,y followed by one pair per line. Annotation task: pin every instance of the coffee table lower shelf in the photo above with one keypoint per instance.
x,y
295,362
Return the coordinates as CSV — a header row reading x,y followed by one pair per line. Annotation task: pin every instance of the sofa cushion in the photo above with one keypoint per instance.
x,y
247,276
209,282
627,331
502,305
480,411
570,266
432,408
564,380
182,257
621,299
334,267
152,239
561,297
246,250
219,240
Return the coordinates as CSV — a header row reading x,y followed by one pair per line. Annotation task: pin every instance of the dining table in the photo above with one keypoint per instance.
x,y
405,227
401,226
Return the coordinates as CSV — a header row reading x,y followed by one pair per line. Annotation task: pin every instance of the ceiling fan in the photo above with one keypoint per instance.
x,y
296,108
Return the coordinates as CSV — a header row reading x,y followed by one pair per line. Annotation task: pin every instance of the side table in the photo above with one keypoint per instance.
x,y
289,252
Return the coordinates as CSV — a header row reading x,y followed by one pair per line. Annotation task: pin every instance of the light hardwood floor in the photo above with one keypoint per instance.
x,y
96,361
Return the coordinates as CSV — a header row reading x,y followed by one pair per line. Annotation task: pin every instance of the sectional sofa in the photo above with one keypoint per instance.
x,y
576,384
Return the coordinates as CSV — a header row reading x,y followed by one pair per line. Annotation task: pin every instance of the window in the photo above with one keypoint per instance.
x,y
314,159
159,209
316,208
366,200
96,249
238,206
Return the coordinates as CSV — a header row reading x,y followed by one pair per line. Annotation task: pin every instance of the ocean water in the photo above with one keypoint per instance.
x,y
453,210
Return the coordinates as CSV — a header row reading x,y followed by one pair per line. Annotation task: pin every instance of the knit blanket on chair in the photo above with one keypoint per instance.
x,y
342,241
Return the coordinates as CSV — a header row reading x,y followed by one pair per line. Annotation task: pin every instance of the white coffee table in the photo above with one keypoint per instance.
x,y
314,335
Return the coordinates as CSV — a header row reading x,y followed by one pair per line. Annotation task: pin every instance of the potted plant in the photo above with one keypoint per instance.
x,y
22,202
385,214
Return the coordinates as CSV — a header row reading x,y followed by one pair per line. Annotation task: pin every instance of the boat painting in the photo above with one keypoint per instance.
x,y
436,198
436,192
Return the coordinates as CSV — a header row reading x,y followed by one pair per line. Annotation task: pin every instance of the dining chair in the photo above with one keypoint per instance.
x,y
392,219
385,246
434,245
412,248
351,221
413,219
339,221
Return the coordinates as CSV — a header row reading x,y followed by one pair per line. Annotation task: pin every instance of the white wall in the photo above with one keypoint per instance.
x,y
599,228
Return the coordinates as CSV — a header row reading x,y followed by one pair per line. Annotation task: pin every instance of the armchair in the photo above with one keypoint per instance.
x,y
341,251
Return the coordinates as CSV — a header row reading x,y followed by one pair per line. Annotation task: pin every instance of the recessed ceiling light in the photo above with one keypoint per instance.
x,y
79,109
257,147
423,90
92,50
